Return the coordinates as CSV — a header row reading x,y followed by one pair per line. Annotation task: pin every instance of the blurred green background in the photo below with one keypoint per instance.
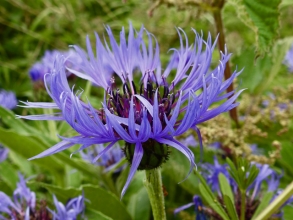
x,y
29,28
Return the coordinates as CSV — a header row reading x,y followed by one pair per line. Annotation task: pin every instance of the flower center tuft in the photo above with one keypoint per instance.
x,y
119,103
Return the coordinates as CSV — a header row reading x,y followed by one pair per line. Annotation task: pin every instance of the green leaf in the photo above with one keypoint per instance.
x,y
288,212
208,195
93,215
17,125
31,145
205,185
276,204
136,198
28,146
25,166
262,17
254,71
260,75
8,174
139,205
212,202
100,199
177,168
286,3
253,172
263,204
286,157
230,206
225,187
5,188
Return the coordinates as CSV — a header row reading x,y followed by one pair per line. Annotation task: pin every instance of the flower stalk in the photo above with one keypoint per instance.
x,y
154,186
273,207
221,45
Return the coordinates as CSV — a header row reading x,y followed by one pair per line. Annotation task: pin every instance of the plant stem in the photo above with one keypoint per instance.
x,y
154,186
274,206
243,204
221,45
52,126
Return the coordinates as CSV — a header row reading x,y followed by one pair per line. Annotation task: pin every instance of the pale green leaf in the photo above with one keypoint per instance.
x,y
212,202
225,187
263,204
230,206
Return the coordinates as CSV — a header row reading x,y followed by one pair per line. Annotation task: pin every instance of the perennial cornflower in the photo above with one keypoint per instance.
x,y
266,180
24,206
198,207
211,173
46,65
3,153
70,211
148,113
7,99
108,161
288,60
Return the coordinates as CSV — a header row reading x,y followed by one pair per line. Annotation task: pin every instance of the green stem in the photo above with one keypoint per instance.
x,y
221,44
52,126
87,90
154,186
273,207
243,204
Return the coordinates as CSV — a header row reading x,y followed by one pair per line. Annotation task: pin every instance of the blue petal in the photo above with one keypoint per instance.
x,y
138,153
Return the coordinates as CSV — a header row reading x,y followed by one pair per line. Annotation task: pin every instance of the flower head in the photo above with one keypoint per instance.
x,y
144,105
23,195
71,210
46,65
211,173
198,207
23,203
7,99
109,160
24,206
266,180
3,153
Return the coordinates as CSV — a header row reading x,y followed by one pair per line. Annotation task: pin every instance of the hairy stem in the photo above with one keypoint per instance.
x,y
221,45
154,186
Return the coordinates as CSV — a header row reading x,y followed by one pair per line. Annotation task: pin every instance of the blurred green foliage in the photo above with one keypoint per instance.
x,y
28,28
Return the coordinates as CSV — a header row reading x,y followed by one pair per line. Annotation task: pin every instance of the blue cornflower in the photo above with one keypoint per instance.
x,y
24,201
7,207
146,115
24,205
46,65
189,141
7,99
23,195
211,173
198,206
267,179
109,160
70,211
288,60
